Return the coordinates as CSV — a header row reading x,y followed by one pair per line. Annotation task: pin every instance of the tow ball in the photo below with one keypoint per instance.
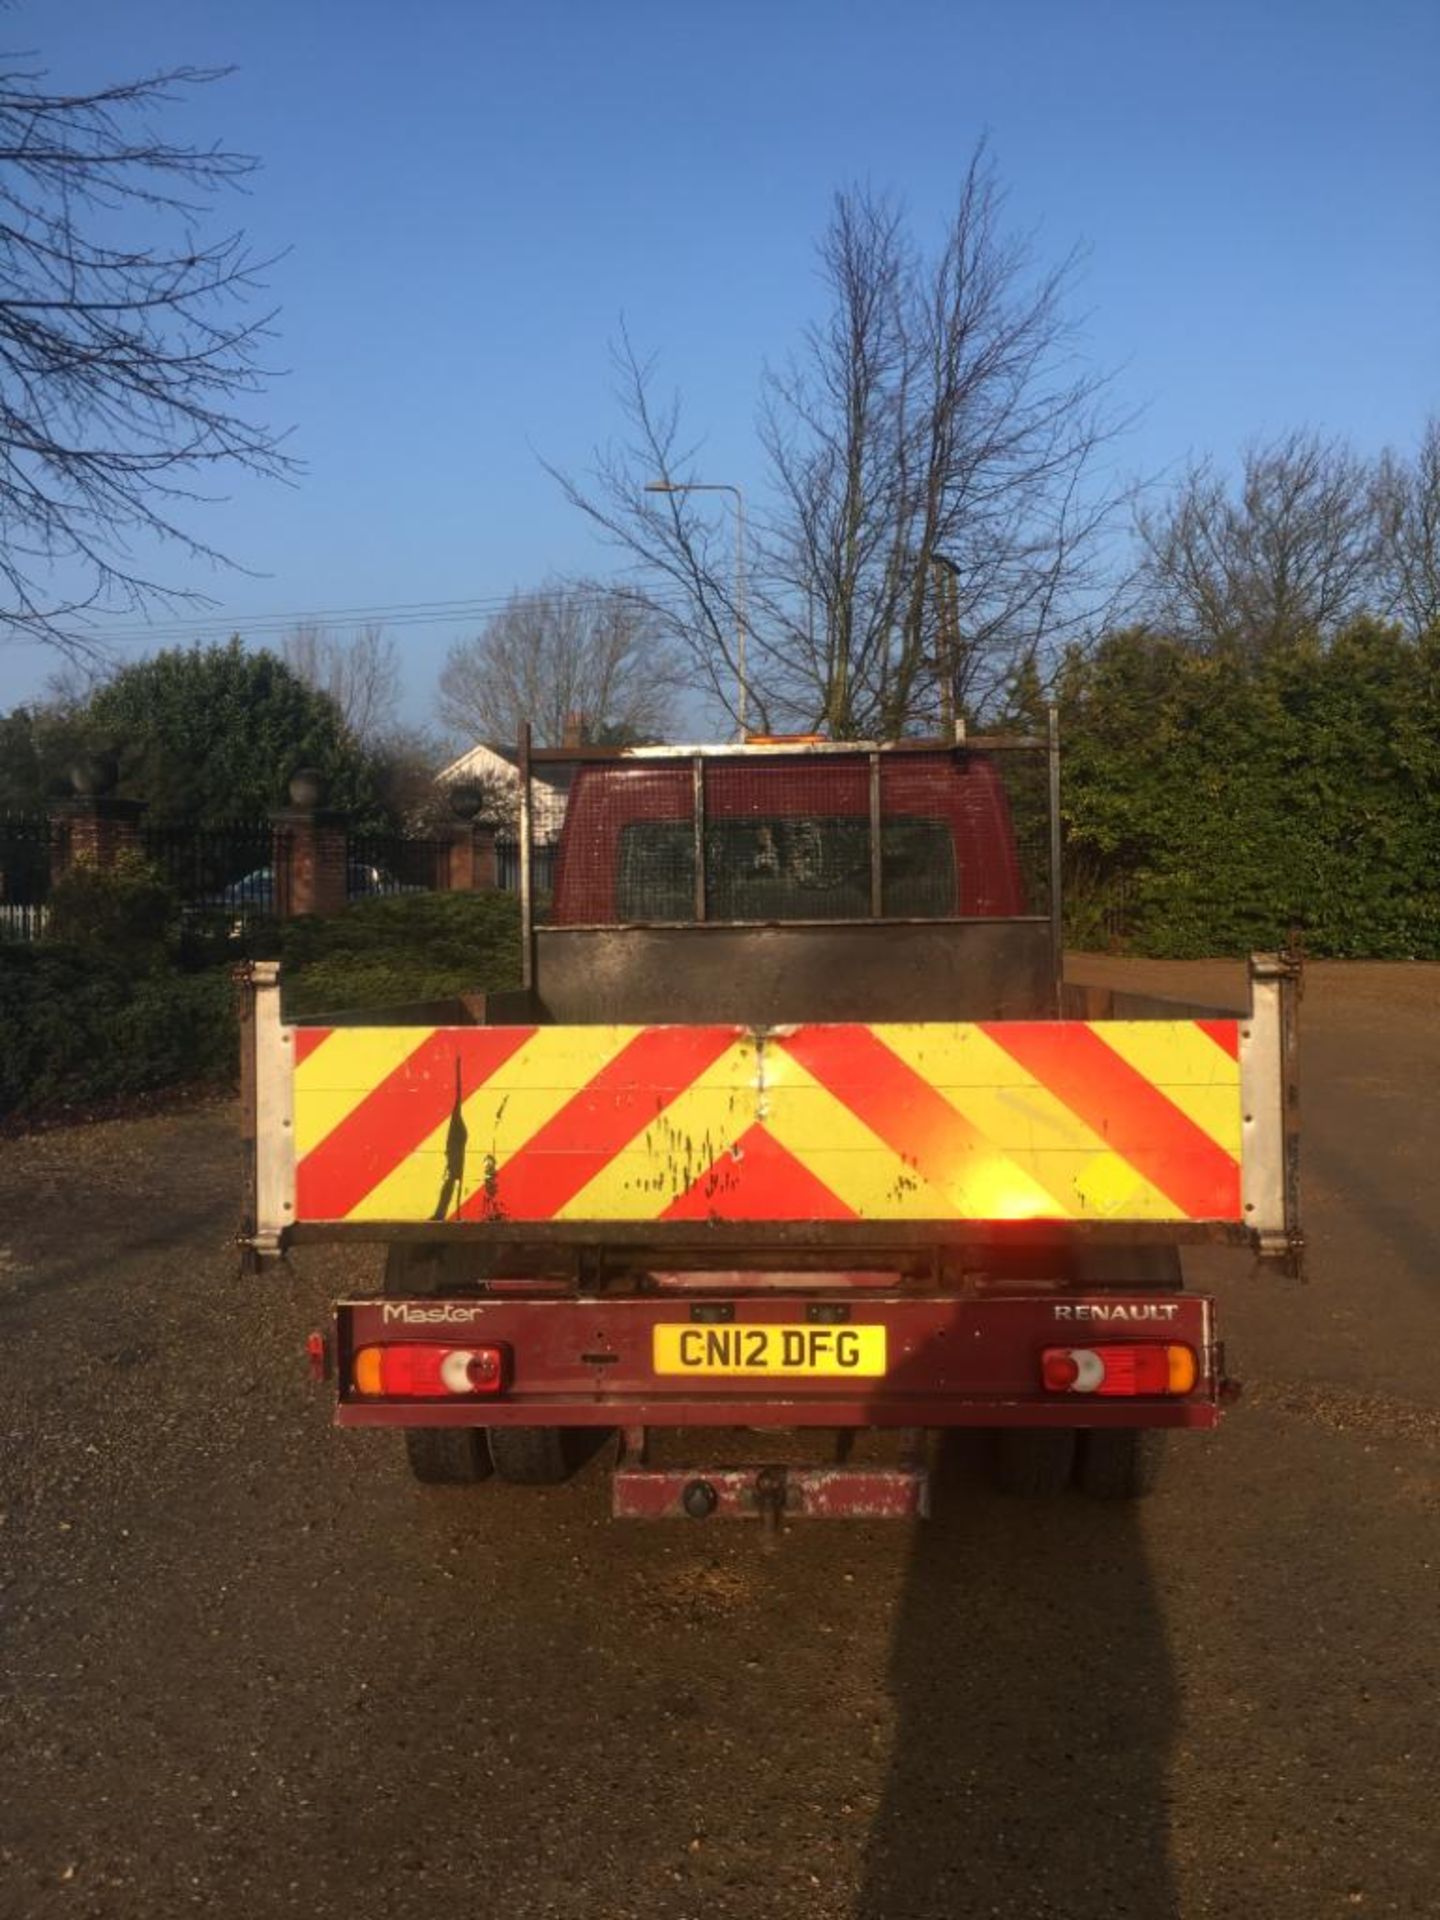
x,y
770,1496
699,1499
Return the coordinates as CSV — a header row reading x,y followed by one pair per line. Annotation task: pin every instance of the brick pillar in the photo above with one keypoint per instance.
x,y
311,847
470,859
93,829
486,875
574,733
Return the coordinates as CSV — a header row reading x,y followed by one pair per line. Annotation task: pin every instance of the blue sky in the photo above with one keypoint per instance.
x,y
473,194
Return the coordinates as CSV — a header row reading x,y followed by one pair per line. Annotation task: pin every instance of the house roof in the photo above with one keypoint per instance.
x,y
558,779
465,763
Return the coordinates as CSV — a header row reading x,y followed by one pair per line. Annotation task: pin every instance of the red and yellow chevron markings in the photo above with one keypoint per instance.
x,y
991,1120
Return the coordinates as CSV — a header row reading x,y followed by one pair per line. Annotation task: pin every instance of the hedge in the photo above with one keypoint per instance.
x,y
83,1023
398,948
1212,801
78,1028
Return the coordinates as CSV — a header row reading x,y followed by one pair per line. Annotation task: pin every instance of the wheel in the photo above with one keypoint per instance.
x,y
1120,1463
525,1456
438,1456
1033,1463
534,1456
447,1456
1123,1463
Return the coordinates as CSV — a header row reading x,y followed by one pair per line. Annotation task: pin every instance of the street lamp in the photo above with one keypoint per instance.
x,y
720,486
947,575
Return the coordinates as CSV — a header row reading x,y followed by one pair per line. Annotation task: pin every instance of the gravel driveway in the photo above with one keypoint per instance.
x,y
249,1669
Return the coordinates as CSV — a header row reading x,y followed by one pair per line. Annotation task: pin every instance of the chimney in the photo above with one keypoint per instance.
x,y
574,730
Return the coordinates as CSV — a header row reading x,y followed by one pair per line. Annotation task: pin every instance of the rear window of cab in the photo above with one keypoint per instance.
x,y
787,868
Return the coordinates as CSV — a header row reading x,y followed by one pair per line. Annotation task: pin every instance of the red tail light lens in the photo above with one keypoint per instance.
x,y
423,1371
1139,1367
1060,1369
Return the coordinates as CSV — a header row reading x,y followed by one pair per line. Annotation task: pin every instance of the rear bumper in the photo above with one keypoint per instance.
x,y
759,1493
949,1362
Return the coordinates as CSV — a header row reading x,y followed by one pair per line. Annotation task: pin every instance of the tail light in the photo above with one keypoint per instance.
x,y
1120,1369
422,1371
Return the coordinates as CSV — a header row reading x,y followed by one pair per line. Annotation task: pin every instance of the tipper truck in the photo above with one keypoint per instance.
x,y
795,1123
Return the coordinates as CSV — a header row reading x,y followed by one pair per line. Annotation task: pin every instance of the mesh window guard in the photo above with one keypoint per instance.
x,y
789,838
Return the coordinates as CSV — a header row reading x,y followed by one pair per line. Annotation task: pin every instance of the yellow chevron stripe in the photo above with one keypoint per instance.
x,y
843,1154
1081,1175
528,1089
1187,1066
344,1070
678,1146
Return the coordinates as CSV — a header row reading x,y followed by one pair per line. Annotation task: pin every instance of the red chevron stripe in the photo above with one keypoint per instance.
x,y
758,1179
1225,1034
392,1120
597,1122
909,1115
1123,1107
307,1039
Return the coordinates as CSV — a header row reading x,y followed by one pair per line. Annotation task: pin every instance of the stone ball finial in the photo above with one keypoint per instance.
x,y
305,788
466,800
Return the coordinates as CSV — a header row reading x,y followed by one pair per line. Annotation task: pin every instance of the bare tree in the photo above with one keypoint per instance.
x,y
361,675
1407,494
126,353
934,425
1292,551
685,562
404,763
934,447
72,683
580,650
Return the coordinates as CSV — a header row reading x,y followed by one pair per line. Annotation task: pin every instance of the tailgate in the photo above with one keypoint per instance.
x,y
666,1134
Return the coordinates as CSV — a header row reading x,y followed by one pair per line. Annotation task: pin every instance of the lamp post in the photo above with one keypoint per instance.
x,y
952,725
721,486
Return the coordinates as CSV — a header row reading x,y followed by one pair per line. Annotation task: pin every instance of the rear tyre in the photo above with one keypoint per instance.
x,y
1120,1463
1123,1463
1033,1463
436,1456
447,1456
534,1456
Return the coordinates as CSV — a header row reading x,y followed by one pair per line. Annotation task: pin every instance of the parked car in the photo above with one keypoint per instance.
x,y
362,880
257,890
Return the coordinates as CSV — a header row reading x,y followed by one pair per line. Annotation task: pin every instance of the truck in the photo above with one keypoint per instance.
x,y
794,1127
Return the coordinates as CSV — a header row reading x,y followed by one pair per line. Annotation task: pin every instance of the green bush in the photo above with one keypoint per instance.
x,y
125,909
1217,800
85,1023
402,947
79,1027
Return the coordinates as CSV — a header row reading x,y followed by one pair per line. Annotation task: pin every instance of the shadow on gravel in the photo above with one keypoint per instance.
x,y
1410,1233
1035,1706
208,1229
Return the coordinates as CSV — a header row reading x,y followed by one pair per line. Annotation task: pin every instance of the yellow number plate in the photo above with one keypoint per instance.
x,y
793,1351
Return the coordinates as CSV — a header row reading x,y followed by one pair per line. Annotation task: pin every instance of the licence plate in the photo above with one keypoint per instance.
x,y
770,1349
